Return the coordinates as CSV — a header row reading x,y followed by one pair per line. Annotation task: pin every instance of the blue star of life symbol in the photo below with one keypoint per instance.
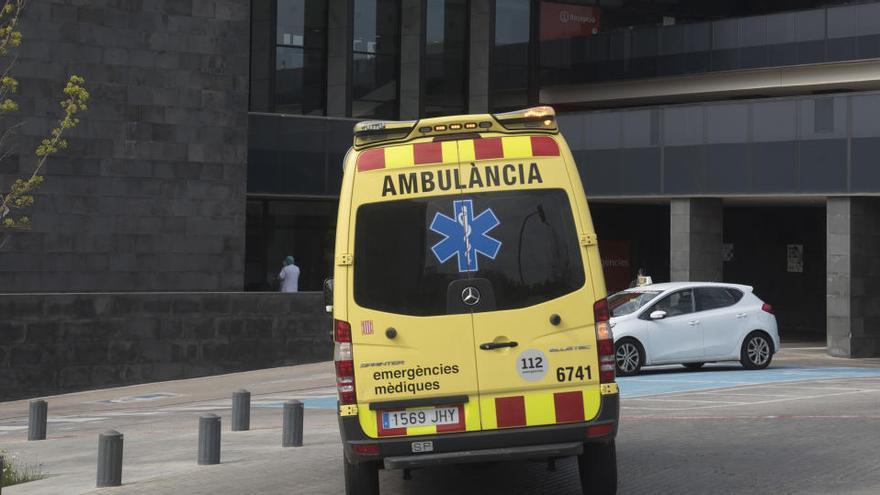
x,y
465,235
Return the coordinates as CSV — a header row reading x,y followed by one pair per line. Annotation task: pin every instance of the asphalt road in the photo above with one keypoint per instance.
x,y
809,424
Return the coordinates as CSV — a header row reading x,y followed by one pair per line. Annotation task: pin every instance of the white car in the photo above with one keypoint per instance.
x,y
691,323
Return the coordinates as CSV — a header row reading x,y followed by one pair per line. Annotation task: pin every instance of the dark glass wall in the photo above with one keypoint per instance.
x,y
511,54
602,41
758,238
632,237
445,69
296,155
811,145
276,228
300,56
376,59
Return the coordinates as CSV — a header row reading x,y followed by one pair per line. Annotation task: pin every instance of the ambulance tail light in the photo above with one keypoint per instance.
x,y
344,361
366,448
604,341
537,118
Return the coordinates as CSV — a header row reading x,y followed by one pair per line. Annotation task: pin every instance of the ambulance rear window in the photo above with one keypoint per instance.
x,y
408,252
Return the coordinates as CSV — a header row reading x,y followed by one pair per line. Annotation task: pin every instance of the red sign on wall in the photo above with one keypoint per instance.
x,y
616,264
564,21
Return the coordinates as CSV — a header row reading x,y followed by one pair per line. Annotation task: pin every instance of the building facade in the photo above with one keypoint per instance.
x,y
728,140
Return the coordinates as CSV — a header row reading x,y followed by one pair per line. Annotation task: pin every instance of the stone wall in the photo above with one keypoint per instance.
x,y
853,281
695,228
57,343
150,195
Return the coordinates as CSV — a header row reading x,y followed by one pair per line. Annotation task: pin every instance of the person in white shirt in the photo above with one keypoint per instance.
x,y
289,276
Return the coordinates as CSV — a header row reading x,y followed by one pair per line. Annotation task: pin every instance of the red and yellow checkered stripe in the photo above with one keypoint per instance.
x,y
511,411
539,408
469,150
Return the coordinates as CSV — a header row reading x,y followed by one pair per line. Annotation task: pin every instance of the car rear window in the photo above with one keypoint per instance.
x,y
408,252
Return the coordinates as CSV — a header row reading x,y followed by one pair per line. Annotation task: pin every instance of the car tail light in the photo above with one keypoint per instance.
x,y
604,341
766,307
342,358
366,448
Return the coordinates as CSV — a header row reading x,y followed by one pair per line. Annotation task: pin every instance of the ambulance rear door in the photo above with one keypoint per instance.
x,y
533,323
415,365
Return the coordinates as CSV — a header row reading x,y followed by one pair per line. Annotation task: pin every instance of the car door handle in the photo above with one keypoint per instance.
x,y
488,346
694,323
742,315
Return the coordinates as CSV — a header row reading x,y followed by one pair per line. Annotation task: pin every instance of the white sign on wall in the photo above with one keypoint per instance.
x,y
795,258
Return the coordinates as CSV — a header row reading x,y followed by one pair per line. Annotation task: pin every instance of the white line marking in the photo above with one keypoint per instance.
x,y
73,419
677,399
732,394
756,403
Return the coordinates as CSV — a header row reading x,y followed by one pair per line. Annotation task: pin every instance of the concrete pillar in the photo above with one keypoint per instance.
x,y
481,40
853,277
411,31
339,41
695,240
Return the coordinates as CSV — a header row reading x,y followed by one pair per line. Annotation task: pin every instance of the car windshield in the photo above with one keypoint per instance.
x,y
626,302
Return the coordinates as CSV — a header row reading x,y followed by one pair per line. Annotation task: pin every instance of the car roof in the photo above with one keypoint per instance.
x,y
669,286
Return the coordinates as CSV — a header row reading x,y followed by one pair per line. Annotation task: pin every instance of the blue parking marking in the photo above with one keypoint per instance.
x,y
667,381
325,402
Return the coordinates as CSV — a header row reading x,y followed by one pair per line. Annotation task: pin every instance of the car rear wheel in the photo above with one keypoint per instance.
x,y
629,357
598,469
693,366
361,479
757,351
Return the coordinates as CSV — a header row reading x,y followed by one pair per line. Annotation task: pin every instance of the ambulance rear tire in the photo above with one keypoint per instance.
x,y
598,469
362,478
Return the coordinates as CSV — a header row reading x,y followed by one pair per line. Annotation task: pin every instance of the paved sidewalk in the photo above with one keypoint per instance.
x,y
662,409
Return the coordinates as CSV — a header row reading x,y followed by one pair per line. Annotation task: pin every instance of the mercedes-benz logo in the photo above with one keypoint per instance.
x,y
470,296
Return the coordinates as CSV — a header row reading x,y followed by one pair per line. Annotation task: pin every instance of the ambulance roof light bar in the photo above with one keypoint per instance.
x,y
537,118
374,132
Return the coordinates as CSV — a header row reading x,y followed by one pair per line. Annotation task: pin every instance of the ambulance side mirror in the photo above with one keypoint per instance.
x,y
328,295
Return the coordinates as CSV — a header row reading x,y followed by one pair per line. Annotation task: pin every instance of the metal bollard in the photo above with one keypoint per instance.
x,y
109,459
38,413
292,431
241,410
209,439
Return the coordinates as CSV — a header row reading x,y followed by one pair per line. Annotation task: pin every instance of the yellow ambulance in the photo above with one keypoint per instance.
x,y
470,320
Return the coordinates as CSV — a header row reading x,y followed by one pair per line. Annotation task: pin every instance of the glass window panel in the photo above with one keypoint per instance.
x,y
301,23
299,81
511,54
300,56
374,85
642,39
842,22
810,25
377,26
376,59
445,61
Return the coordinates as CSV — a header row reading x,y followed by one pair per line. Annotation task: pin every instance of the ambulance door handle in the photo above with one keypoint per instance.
x,y
488,346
